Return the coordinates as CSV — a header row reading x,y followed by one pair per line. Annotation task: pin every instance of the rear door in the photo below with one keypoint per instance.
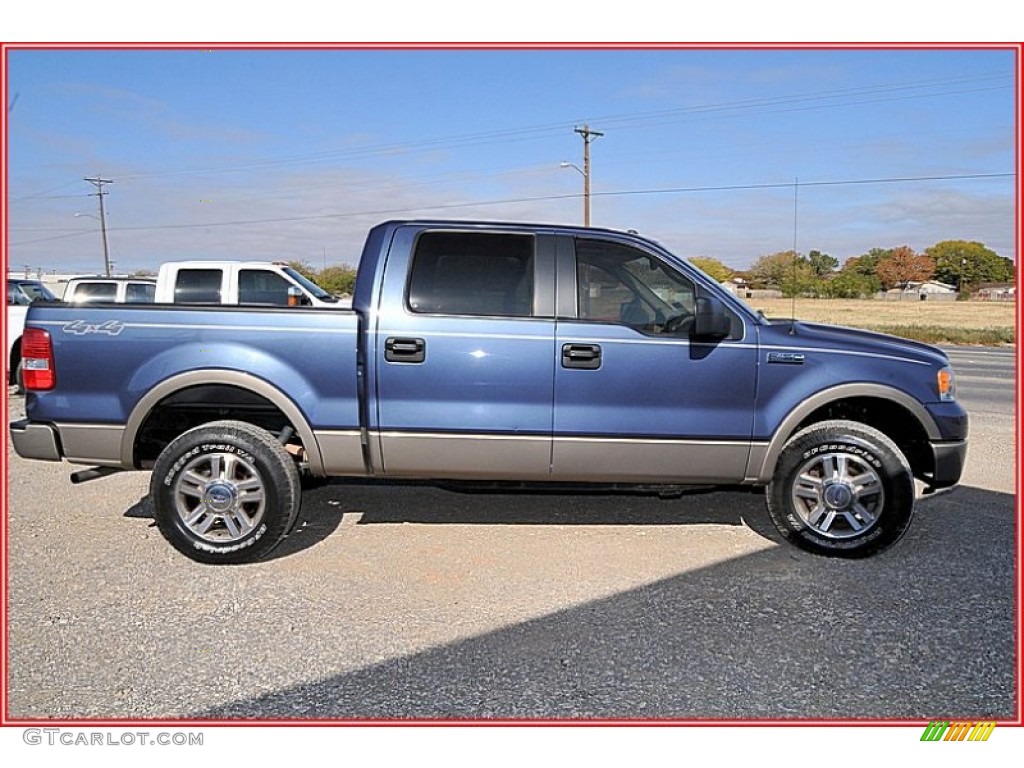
x,y
464,355
637,399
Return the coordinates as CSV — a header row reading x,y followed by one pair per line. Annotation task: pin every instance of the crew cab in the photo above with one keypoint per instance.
x,y
494,353
118,289
247,283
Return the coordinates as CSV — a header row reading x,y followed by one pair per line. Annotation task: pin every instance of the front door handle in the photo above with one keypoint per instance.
x,y
400,350
585,356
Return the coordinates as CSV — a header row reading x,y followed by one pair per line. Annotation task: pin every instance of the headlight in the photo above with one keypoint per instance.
x,y
947,384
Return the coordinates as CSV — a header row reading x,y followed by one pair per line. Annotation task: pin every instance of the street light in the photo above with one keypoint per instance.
x,y
103,229
586,189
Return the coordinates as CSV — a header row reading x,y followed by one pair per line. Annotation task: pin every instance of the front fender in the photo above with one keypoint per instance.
x,y
764,456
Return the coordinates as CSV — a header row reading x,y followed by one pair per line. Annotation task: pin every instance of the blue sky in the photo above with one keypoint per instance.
x,y
294,154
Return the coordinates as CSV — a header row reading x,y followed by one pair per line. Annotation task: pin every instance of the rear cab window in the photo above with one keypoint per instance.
x,y
140,293
95,291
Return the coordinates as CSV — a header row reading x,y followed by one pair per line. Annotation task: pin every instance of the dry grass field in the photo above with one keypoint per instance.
x,y
981,322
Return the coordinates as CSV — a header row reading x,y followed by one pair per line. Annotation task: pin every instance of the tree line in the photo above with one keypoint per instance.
x,y
337,279
961,264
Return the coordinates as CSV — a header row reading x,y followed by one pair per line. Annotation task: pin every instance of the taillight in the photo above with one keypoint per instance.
x,y
37,360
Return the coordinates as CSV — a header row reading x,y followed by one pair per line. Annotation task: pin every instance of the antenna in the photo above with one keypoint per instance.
x,y
796,209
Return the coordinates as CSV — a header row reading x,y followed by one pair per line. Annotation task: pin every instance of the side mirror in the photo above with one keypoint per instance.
x,y
294,296
711,321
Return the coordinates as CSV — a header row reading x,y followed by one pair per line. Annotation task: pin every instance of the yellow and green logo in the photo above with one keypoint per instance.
x,y
943,730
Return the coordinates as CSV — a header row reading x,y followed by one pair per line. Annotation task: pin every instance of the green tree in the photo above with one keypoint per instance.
x,y
822,263
786,271
903,266
339,280
858,273
959,263
850,285
866,263
713,268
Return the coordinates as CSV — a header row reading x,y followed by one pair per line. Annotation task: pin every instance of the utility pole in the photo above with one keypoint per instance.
x,y
98,182
588,136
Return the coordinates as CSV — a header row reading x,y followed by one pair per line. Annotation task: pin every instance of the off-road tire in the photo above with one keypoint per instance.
x,y
226,492
841,489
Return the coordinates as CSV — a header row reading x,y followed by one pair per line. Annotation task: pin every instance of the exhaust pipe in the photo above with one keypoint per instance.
x,y
94,473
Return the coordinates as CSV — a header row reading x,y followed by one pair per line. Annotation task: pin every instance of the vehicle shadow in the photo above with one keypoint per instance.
x,y
926,629
371,503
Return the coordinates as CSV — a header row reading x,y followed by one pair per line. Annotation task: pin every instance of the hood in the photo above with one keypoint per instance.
x,y
810,335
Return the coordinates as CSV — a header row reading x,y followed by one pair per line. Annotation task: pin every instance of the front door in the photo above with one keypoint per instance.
x,y
637,399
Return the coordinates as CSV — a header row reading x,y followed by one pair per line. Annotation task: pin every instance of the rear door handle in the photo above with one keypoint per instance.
x,y
585,356
401,350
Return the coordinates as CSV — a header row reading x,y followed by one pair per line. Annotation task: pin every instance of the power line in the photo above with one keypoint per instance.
x,y
788,185
743,107
48,239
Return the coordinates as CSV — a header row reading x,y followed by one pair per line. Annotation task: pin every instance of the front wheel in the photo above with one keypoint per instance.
x,y
842,489
225,492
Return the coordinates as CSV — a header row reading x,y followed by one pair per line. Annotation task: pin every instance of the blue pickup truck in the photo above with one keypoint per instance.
x,y
501,354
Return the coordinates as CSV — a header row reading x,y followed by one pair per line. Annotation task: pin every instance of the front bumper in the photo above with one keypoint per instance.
x,y
35,441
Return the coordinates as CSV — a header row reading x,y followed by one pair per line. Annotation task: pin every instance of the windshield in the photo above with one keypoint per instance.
x,y
310,286
29,291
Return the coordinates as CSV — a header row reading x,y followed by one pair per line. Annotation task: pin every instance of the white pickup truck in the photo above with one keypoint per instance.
x,y
90,289
251,283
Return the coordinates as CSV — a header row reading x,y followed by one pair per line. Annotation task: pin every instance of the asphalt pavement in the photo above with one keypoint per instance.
x,y
414,602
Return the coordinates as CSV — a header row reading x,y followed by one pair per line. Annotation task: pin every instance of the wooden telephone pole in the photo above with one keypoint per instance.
x,y
98,182
588,136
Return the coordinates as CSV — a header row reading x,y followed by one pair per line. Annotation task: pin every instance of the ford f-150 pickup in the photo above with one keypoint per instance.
x,y
493,353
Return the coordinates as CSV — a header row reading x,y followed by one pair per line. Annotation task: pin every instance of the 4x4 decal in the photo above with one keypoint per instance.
x,y
81,328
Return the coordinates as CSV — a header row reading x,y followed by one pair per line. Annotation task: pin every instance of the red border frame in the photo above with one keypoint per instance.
x,y
5,47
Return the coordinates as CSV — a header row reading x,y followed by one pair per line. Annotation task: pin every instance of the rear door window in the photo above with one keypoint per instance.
x,y
198,286
472,273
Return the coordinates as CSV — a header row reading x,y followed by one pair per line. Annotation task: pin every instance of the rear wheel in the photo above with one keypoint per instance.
x,y
843,489
225,492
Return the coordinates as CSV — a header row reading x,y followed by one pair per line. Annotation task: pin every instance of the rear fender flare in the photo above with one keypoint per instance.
x,y
237,379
